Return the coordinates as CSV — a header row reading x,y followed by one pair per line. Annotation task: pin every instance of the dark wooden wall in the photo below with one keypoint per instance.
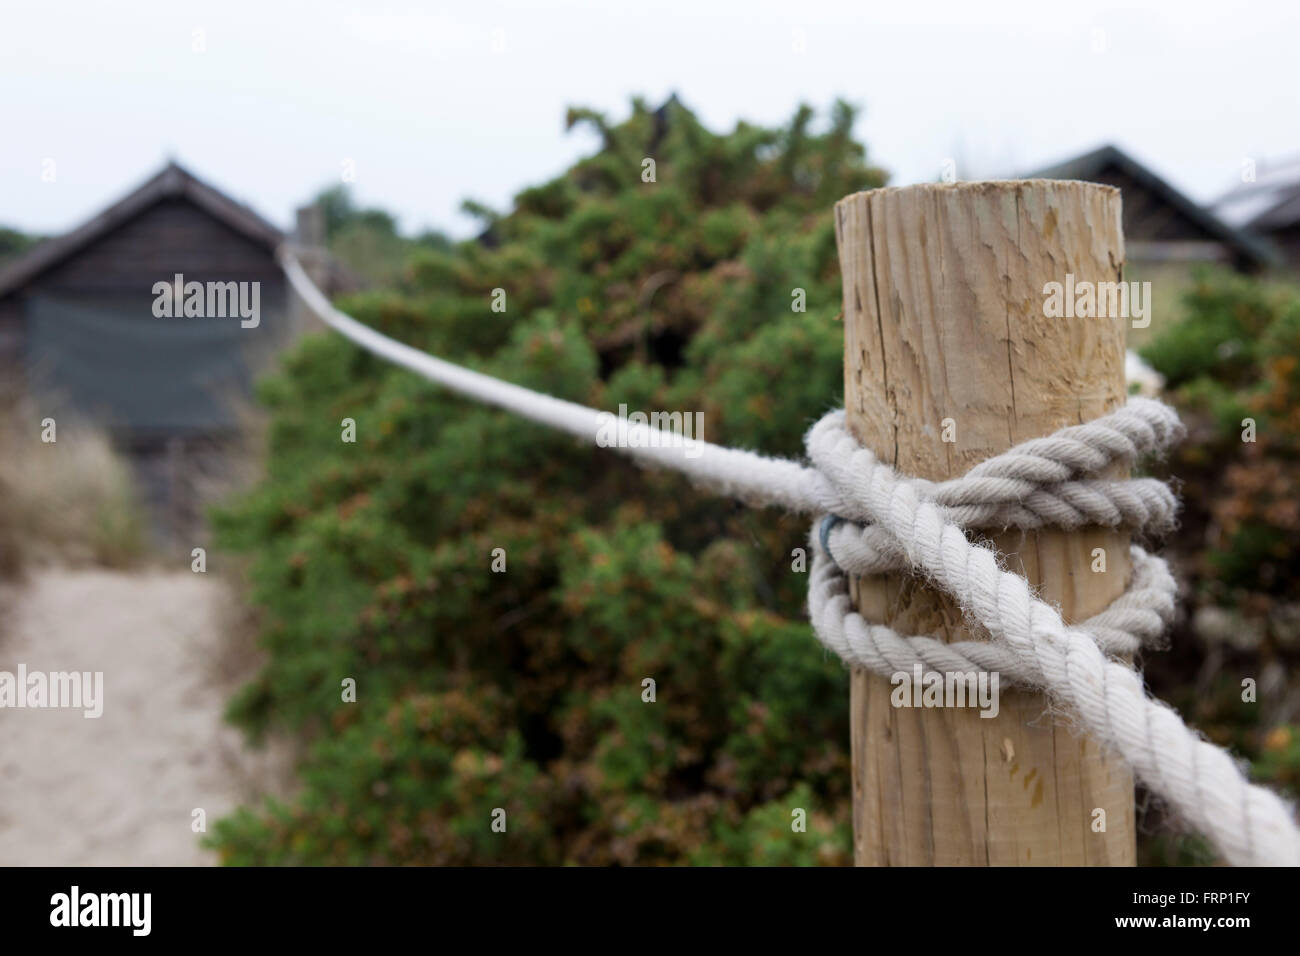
x,y
172,236
11,336
1288,242
1150,218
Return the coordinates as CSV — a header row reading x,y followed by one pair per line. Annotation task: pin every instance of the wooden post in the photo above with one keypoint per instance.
x,y
310,248
950,359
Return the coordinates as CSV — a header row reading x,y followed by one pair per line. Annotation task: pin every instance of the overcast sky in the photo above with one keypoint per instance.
x,y
435,102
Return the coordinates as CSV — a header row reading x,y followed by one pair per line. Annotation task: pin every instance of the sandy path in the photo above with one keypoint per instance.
x,y
121,789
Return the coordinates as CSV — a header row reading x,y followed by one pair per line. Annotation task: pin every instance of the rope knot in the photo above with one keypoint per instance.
x,y
1044,482
879,521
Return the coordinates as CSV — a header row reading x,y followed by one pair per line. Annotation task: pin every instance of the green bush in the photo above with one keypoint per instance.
x,y
524,690
1233,364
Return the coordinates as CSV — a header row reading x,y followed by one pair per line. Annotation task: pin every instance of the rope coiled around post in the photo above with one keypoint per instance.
x,y
913,524
889,522
1034,485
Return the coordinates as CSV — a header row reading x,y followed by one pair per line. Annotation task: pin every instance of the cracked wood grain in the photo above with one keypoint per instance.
x,y
943,318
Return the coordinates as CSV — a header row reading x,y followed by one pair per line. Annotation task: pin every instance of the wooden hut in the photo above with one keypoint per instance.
x,y
85,329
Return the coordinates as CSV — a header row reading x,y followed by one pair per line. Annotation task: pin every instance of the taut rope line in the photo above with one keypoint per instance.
x,y
883,521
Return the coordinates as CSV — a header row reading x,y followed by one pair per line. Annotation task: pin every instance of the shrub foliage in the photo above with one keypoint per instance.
x,y
524,689
1233,368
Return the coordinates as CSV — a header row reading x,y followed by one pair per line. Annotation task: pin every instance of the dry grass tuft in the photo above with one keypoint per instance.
x,y
69,501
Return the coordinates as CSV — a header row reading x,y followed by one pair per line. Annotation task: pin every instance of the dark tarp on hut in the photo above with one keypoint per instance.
x,y
112,359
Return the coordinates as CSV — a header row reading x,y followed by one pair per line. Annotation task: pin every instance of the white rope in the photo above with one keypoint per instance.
x,y
890,522
739,474
1247,823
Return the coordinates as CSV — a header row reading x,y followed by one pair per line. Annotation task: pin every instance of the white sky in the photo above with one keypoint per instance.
x,y
430,113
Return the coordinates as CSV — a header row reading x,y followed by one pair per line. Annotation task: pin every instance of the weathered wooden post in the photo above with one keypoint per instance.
x,y
950,359
309,247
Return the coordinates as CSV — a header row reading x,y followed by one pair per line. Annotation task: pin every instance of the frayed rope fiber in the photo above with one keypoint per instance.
x,y
881,521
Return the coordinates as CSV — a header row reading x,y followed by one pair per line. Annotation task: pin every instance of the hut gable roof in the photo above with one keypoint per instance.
x,y
172,182
1269,204
1101,165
